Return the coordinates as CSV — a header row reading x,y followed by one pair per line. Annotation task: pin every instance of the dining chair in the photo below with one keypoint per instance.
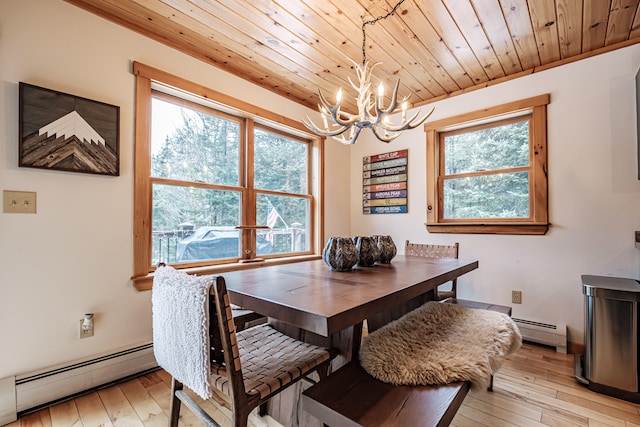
x,y
196,342
435,251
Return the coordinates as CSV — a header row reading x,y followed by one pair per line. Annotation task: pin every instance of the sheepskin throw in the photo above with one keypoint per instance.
x,y
180,312
440,343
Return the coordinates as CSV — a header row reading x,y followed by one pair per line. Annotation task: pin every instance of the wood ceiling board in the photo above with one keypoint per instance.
x,y
594,24
447,30
492,20
545,27
621,17
516,14
437,48
569,13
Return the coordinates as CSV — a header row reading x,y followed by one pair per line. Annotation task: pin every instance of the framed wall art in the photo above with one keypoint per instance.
x,y
64,132
384,183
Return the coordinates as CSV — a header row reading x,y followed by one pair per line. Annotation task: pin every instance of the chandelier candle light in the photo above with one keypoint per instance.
x,y
371,111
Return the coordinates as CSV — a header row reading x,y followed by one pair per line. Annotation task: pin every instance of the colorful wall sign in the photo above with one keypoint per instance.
x,y
384,183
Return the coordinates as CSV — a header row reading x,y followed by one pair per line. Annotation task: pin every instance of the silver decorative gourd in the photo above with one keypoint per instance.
x,y
340,253
387,249
367,250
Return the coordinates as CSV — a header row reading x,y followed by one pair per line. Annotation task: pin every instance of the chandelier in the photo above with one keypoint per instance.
x,y
372,113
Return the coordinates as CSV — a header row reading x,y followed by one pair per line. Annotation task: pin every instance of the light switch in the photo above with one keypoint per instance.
x,y
18,201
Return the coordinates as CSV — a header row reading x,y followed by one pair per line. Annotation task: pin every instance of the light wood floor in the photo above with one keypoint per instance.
x,y
535,387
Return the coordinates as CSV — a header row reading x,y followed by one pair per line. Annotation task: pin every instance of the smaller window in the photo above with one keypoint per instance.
x,y
486,171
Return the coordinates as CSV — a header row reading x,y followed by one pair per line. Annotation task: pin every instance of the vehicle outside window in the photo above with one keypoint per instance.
x,y
214,243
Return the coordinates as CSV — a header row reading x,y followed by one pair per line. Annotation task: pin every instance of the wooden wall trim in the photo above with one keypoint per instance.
x,y
166,78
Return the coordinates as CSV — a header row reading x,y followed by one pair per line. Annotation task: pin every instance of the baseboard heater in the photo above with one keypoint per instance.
x,y
544,333
39,388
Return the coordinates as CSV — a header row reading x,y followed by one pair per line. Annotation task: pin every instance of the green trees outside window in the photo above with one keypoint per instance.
x,y
482,172
200,174
487,170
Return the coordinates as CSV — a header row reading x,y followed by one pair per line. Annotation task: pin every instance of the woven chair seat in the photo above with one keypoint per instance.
x,y
270,360
197,340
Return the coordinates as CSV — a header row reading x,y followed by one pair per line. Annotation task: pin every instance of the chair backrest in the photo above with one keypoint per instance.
x,y
431,251
224,340
435,251
195,341
194,333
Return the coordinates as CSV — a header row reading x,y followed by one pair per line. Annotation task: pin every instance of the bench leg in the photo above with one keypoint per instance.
x,y
490,388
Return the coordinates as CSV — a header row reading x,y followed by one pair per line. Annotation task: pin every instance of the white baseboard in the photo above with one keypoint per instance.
x,y
8,411
44,386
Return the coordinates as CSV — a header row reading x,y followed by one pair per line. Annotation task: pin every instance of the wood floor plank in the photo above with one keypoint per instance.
x,y
149,412
150,379
516,384
507,402
161,393
569,407
215,407
600,407
41,418
541,368
65,414
544,407
554,421
483,418
461,421
515,373
118,407
92,412
580,391
164,376
534,388
510,416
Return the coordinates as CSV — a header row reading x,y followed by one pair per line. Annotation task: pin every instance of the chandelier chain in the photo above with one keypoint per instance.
x,y
373,22
373,113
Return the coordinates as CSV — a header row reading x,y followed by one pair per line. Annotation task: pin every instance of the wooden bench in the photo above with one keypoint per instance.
x,y
481,306
350,397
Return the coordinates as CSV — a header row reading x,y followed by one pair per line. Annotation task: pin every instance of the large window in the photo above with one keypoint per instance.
x,y
216,187
486,171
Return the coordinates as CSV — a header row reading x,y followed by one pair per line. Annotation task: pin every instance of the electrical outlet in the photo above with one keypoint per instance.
x,y
516,297
86,333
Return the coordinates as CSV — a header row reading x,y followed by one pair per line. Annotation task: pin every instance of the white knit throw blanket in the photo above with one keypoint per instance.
x,y
440,343
180,327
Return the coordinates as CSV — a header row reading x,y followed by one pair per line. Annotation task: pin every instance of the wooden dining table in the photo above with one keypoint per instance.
x,y
311,296
313,303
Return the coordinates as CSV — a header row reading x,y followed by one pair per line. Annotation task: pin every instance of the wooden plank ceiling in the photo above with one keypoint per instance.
x,y
437,48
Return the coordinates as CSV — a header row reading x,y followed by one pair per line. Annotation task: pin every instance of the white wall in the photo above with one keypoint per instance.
x,y
75,255
594,193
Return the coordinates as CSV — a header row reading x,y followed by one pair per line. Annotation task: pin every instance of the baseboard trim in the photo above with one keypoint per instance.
x,y
8,400
28,392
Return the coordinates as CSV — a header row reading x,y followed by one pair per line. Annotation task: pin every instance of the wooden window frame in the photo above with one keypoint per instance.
x,y
538,222
146,77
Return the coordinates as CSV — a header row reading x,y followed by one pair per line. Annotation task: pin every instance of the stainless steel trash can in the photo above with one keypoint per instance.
x,y
610,362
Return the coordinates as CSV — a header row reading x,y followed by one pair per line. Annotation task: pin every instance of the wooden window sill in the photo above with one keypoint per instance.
x,y
489,228
144,283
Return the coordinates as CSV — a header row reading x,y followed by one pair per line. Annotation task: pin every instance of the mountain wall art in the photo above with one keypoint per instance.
x,y
69,133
